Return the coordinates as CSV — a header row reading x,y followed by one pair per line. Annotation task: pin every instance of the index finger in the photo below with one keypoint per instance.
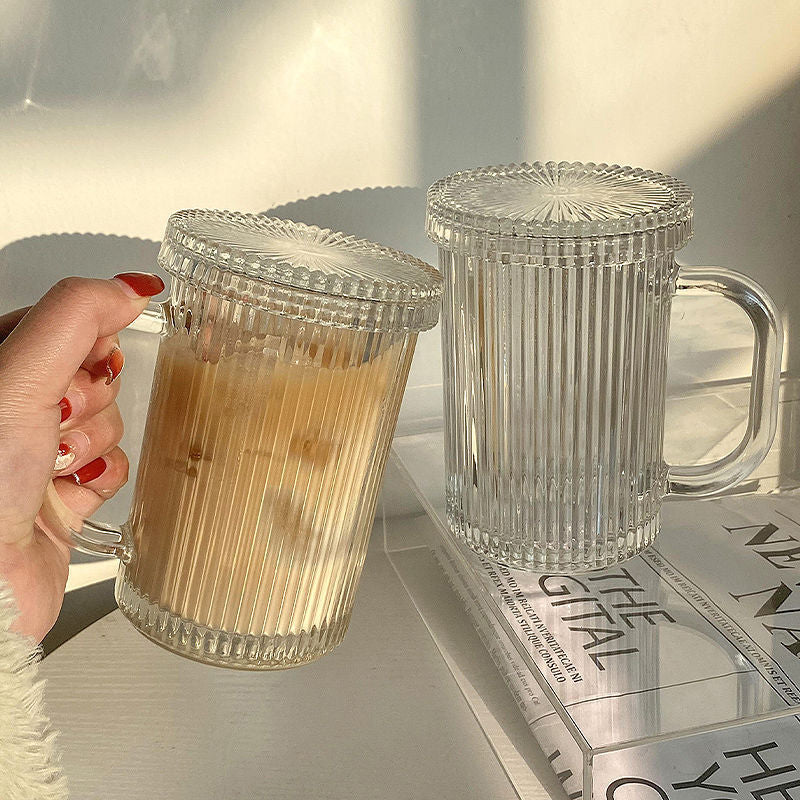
x,y
45,350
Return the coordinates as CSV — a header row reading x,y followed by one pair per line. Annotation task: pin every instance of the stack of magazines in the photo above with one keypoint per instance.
x,y
673,675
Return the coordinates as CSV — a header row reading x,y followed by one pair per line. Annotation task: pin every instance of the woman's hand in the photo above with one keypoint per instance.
x,y
58,419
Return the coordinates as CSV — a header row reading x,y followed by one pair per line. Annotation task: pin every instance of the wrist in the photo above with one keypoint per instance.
x,y
36,575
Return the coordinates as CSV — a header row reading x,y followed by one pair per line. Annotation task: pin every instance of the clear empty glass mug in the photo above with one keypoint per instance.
x,y
558,281
280,371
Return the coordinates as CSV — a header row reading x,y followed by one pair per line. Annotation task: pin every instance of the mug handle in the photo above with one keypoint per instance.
x,y
87,535
712,478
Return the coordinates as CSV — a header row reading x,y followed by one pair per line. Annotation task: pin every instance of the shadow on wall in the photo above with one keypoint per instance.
x,y
394,216
391,215
29,267
747,204
747,199
68,54
471,64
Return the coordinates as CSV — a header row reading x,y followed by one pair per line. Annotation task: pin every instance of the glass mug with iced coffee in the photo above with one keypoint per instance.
x,y
277,386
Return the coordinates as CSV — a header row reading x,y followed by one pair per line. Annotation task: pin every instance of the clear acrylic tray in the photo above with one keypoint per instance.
x,y
675,675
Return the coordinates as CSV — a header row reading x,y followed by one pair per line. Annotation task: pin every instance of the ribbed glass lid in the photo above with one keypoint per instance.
x,y
556,200
263,261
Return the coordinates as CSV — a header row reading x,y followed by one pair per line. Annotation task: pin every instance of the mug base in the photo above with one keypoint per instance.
x,y
565,557
221,648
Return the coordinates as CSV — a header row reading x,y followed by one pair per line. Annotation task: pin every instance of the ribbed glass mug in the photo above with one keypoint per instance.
x,y
278,381
558,281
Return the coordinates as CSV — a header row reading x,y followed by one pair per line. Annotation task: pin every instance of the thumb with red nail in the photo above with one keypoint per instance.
x,y
59,365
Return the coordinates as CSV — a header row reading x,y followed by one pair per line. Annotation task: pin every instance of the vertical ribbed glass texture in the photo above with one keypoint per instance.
x,y
264,449
554,406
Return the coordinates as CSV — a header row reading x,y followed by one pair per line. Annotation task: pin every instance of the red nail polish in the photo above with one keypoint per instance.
x,y
88,472
144,284
66,408
114,364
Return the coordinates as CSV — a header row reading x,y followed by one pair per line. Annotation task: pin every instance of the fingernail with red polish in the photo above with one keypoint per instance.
x,y
66,455
143,284
114,364
88,472
66,408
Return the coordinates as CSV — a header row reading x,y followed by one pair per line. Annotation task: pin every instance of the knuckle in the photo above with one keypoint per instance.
x,y
73,289
70,285
119,467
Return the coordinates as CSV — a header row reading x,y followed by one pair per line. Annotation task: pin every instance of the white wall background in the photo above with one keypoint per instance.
x,y
116,112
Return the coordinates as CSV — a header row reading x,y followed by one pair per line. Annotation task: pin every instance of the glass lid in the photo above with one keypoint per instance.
x,y
263,261
557,201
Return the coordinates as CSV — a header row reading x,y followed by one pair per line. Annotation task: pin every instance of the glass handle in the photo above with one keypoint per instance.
x,y
88,536
708,479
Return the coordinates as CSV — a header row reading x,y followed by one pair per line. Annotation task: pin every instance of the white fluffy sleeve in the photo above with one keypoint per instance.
x,y
29,761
